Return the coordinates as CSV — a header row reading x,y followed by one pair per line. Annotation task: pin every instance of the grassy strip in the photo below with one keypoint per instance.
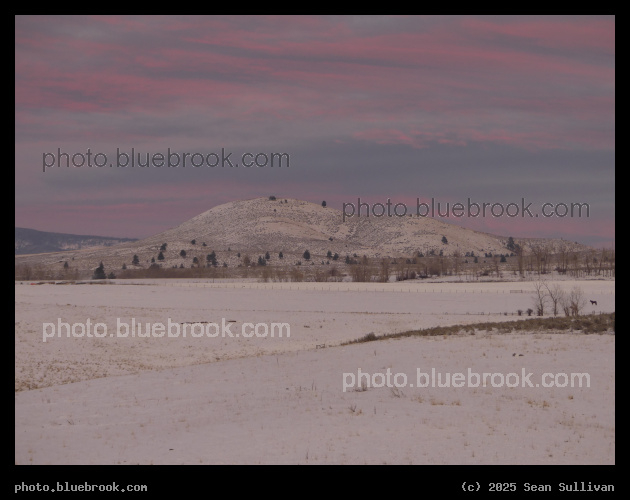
x,y
588,324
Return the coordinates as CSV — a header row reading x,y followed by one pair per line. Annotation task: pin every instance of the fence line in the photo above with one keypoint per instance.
x,y
340,288
261,286
310,286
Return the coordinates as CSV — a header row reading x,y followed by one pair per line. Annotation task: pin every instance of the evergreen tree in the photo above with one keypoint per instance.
x,y
99,273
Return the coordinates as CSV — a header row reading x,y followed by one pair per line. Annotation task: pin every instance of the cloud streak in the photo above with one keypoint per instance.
x,y
513,87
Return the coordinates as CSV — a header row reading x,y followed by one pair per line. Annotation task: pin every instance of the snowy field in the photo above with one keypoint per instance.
x,y
230,398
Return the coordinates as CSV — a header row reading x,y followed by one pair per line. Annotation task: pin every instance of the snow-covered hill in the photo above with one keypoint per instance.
x,y
254,227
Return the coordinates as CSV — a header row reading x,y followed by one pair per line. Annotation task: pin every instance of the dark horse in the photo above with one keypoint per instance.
x,y
593,302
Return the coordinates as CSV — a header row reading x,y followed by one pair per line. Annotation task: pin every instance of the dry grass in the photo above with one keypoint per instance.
x,y
587,324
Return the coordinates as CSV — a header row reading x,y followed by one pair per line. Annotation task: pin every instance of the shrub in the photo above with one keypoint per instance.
x,y
368,338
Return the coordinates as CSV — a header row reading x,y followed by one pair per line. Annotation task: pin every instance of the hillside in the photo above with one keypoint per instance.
x,y
31,241
253,227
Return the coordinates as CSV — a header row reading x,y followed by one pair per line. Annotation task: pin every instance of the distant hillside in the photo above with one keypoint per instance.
x,y
31,241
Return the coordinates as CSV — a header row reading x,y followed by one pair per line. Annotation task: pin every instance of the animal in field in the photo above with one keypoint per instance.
x,y
593,302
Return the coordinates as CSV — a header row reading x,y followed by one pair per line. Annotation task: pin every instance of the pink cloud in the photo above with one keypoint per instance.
x,y
530,83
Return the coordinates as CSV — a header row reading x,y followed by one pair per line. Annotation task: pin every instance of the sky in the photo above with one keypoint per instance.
x,y
504,110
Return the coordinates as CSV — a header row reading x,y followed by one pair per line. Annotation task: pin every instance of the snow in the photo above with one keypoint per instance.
x,y
275,400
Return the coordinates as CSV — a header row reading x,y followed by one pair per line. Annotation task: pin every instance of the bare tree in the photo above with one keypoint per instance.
x,y
562,256
540,252
296,275
23,272
362,271
520,259
540,297
589,261
384,271
610,258
556,295
602,258
457,255
575,264
576,301
495,261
